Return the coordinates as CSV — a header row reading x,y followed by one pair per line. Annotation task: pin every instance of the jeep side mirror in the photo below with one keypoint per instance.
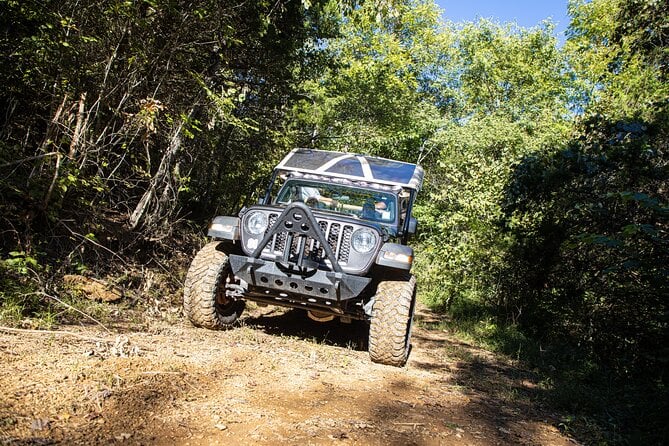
x,y
413,225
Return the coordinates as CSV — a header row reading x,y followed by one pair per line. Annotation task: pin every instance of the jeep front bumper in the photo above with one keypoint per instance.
x,y
274,279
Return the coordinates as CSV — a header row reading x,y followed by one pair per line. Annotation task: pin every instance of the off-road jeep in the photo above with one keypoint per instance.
x,y
329,236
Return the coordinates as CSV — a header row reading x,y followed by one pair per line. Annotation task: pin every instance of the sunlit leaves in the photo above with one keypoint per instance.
x,y
372,100
620,70
509,99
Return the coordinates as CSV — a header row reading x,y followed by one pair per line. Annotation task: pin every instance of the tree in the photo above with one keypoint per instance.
x,y
618,51
511,99
599,208
375,98
126,116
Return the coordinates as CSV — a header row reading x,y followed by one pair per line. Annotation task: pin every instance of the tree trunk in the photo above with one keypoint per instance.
x,y
149,206
79,128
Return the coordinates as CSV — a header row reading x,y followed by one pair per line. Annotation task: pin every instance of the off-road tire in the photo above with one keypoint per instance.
x,y
205,303
390,326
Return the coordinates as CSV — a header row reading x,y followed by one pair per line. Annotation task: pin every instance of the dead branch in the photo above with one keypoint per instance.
x,y
30,158
51,129
56,172
78,128
161,177
52,332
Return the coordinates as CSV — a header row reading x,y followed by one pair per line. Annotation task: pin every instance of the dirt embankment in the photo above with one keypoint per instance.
x,y
277,379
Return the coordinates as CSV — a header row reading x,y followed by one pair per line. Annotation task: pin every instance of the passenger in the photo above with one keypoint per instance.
x,y
369,211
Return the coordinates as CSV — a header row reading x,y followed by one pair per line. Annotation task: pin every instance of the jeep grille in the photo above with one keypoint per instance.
x,y
338,236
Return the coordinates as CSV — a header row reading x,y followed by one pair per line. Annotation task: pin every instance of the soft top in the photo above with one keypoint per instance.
x,y
354,167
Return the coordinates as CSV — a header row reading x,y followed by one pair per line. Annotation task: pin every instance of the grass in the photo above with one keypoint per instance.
x,y
21,304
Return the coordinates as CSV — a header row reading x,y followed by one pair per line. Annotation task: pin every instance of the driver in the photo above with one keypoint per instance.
x,y
369,211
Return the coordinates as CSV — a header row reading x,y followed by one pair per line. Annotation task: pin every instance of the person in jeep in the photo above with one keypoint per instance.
x,y
329,236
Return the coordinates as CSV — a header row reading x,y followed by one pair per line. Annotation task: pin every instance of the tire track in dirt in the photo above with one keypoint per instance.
x,y
277,379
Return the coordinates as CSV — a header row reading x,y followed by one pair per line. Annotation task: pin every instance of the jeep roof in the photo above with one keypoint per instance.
x,y
353,167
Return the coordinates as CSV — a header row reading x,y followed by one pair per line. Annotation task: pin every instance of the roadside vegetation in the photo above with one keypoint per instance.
x,y
127,125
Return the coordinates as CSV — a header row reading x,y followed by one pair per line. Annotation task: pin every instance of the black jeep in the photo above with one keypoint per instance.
x,y
330,236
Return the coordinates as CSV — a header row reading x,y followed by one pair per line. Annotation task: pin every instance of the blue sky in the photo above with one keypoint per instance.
x,y
526,13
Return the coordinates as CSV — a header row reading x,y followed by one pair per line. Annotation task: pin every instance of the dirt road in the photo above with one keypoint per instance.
x,y
277,379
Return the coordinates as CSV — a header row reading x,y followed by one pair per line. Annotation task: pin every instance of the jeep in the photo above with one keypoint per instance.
x,y
329,236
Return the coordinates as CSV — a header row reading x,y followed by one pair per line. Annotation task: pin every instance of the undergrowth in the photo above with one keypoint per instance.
x,y
34,294
598,406
20,296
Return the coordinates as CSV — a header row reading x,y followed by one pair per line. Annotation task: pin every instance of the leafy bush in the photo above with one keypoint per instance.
x,y
591,267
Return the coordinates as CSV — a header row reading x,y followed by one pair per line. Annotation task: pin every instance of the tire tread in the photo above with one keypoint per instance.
x,y
390,329
205,274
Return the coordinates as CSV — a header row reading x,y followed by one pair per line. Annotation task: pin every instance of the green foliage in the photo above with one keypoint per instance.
x,y
555,239
594,264
586,264
589,223
20,263
145,112
546,218
18,290
374,98
121,118
618,51
511,102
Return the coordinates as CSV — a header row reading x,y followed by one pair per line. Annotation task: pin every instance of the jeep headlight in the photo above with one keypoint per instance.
x,y
256,222
363,240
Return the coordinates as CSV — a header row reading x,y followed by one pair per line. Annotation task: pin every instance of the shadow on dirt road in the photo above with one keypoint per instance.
x,y
278,378
296,324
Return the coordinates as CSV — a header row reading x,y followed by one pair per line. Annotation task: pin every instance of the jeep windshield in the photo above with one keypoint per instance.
x,y
372,205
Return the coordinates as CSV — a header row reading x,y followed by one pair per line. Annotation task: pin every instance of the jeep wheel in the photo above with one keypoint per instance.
x,y
390,329
205,301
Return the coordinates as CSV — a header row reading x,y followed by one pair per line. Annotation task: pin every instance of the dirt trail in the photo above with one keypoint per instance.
x,y
277,379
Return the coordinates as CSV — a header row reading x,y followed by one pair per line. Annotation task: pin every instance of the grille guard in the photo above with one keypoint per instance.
x,y
298,276
297,219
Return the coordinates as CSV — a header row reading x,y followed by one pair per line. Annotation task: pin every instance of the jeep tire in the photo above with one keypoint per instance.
x,y
205,301
390,326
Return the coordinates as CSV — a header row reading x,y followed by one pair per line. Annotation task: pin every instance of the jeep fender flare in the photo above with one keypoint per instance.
x,y
394,255
226,228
